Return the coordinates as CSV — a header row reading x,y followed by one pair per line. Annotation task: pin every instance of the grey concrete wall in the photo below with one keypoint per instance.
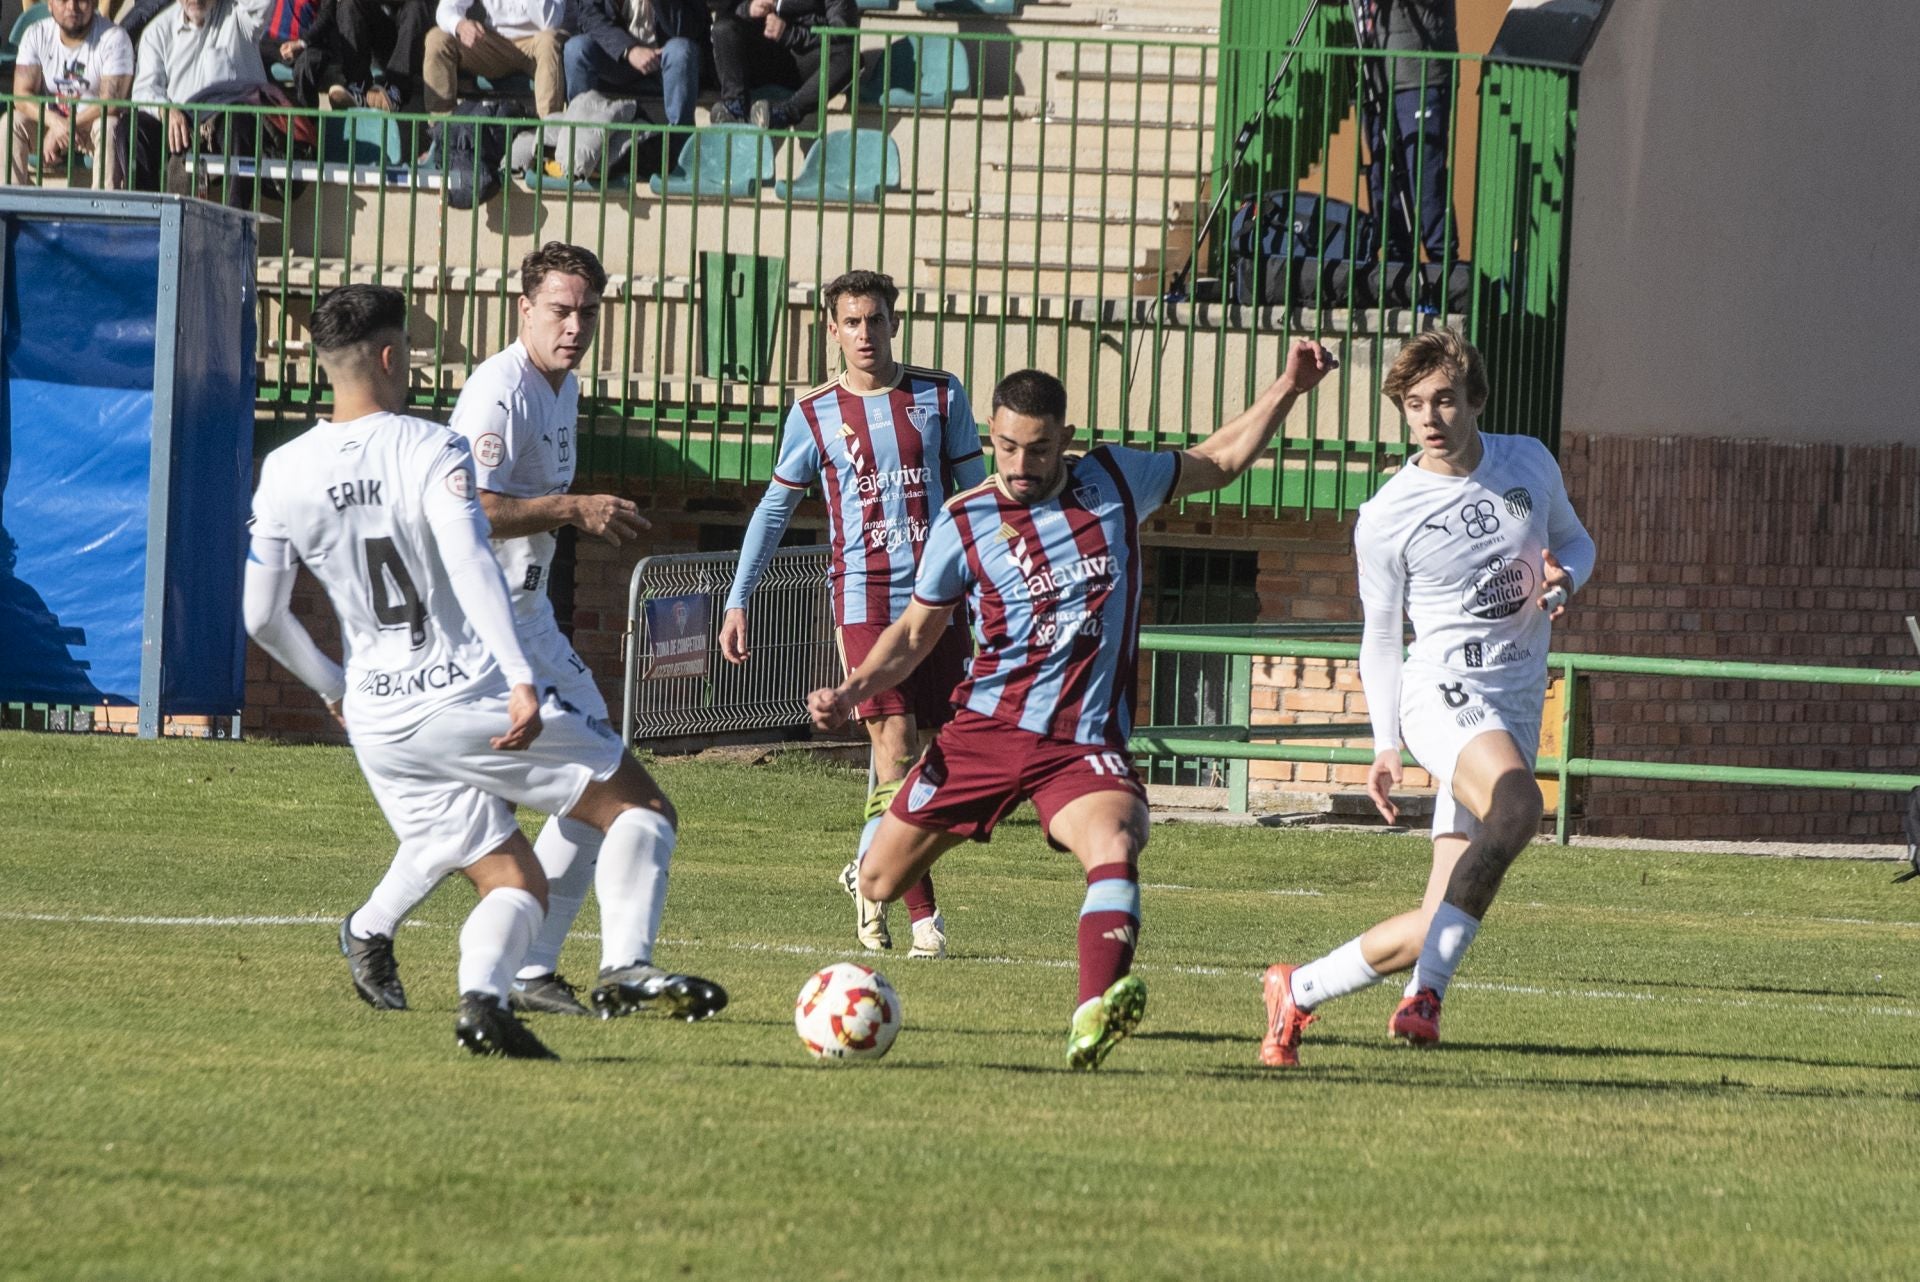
x,y
1746,237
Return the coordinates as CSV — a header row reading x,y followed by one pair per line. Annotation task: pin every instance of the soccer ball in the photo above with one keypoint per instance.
x,y
847,1011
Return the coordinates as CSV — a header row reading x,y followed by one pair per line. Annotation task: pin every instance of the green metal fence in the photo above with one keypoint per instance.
x,y
1038,197
1234,741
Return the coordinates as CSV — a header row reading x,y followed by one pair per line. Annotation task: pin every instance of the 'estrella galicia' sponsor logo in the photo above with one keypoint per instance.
x,y
1455,694
1500,589
394,685
1471,716
1474,653
1519,503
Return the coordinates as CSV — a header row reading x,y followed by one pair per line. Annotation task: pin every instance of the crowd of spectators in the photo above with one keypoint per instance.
x,y
393,55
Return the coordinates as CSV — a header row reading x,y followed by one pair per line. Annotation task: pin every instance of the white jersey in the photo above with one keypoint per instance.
x,y
1461,555
354,500
522,434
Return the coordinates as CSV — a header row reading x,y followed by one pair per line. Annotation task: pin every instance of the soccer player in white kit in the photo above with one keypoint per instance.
x,y
381,508
519,411
1477,543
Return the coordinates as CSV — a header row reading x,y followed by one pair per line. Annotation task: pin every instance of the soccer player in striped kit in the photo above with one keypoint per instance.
x,y
1475,542
1047,557
888,444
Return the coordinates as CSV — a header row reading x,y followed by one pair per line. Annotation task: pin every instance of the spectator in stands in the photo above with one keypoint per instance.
x,y
1409,115
772,42
187,48
335,48
78,58
497,38
639,46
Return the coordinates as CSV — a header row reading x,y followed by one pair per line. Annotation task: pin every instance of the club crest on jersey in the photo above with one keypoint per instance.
x,y
919,416
1519,502
920,794
1087,496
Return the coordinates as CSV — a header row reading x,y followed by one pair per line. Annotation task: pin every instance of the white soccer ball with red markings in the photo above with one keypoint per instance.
x,y
847,1011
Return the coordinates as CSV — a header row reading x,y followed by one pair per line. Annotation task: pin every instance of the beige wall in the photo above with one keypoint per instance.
x,y
1746,235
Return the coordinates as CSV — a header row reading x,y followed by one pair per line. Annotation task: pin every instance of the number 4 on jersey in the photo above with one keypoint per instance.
x,y
396,602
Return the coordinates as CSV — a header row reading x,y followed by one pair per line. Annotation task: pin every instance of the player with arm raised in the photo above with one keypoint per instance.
x,y
437,695
1477,543
1047,557
518,411
888,444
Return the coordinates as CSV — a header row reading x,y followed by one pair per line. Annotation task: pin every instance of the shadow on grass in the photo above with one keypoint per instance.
x,y
1567,1051
1768,990
1405,1075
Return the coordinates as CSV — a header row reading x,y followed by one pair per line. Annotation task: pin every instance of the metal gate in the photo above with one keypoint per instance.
x,y
789,638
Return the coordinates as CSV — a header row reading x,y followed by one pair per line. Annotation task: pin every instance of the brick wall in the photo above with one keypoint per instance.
x,y
1708,549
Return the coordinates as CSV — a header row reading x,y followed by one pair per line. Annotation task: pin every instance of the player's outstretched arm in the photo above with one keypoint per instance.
x,y
900,649
605,516
271,569
1238,444
764,530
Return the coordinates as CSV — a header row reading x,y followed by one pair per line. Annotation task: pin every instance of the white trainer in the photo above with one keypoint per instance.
x,y
929,937
870,921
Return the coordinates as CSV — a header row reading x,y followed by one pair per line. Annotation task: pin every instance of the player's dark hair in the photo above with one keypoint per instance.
x,y
1437,351
356,314
1032,393
861,284
567,260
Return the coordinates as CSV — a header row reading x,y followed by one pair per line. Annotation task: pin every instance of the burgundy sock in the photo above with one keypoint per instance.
x,y
920,905
1109,927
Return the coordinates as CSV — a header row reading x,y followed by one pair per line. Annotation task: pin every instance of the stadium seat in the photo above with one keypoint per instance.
x,y
974,8
865,5
848,164
723,160
920,71
362,138
282,74
11,49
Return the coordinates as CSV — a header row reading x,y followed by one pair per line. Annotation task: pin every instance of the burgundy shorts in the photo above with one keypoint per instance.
x,y
927,693
978,769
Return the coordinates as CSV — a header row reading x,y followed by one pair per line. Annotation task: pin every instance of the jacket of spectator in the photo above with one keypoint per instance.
x,y
605,22
802,16
178,59
513,19
290,19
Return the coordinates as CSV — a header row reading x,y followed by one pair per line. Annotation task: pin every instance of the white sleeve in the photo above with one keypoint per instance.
x,y
1567,538
271,568
1383,588
250,16
460,533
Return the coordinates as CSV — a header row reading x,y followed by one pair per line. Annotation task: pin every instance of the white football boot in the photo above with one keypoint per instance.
x,y
929,937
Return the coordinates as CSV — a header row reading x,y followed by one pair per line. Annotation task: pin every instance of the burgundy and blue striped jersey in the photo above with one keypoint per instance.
x,y
885,463
1053,591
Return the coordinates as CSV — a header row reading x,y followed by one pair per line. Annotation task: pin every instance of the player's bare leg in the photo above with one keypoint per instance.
x,y
630,881
897,744
900,857
1106,831
497,934
1493,781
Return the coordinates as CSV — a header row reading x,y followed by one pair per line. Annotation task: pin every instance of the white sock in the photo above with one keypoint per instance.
x,y
1447,939
567,850
399,893
497,935
632,885
1342,971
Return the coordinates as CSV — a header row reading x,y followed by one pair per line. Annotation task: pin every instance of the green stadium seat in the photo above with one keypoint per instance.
x,y
11,49
848,164
722,160
362,138
920,71
282,74
973,8
876,4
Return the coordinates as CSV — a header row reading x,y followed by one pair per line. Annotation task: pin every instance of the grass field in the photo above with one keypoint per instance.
x,y
1657,1065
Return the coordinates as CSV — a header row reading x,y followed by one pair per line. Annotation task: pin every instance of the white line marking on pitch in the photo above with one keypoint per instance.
x,y
1049,963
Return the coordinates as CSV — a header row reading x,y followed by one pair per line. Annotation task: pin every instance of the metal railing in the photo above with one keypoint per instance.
x,y
790,642
1233,741
1037,197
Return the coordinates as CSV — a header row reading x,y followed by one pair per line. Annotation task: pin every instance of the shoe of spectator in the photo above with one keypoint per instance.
x,y
780,118
760,115
729,111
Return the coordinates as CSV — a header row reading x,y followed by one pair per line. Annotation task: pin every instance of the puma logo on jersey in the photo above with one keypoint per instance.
x,y
354,494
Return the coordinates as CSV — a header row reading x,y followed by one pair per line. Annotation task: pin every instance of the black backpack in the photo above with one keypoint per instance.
x,y
472,155
1306,243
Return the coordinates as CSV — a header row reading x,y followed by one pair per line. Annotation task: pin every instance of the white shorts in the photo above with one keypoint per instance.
x,y
1440,716
561,671
450,797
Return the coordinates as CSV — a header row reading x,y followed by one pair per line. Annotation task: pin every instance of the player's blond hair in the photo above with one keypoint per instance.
x,y
1438,351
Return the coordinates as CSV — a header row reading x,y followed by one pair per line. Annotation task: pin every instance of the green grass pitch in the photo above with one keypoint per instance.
x,y
1656,1065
